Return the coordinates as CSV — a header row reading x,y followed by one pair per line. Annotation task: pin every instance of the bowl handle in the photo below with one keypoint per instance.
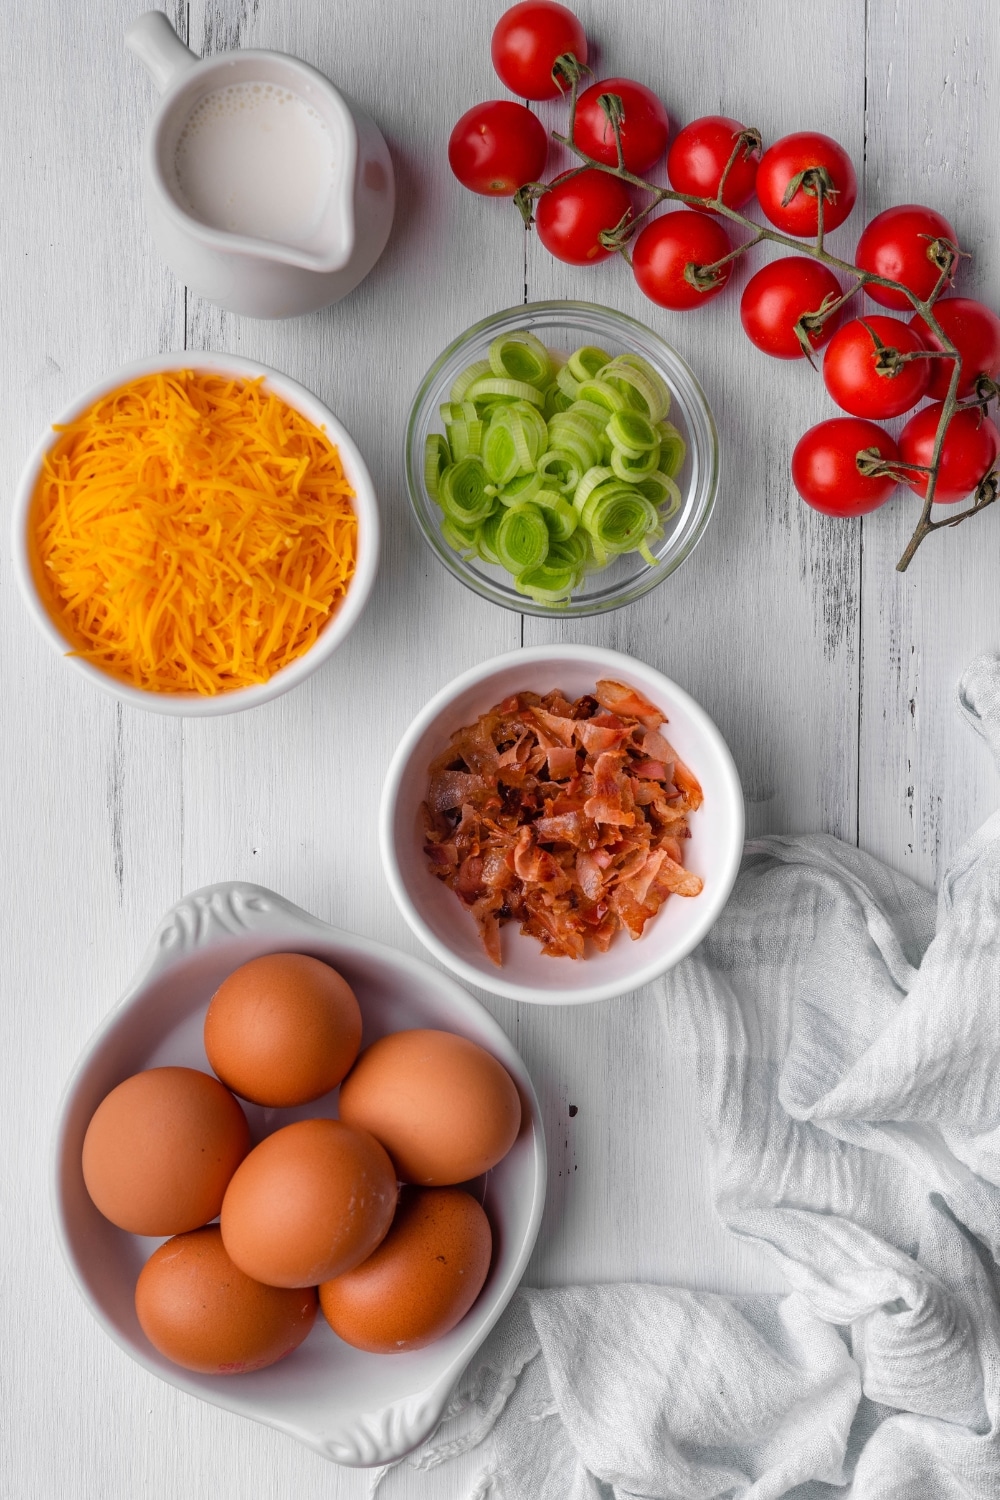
x,y
158,47
212,916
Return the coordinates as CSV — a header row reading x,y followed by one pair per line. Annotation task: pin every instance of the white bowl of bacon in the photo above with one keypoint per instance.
x,y
561,824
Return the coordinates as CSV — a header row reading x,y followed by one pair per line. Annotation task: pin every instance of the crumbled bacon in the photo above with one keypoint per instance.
x,y
567,817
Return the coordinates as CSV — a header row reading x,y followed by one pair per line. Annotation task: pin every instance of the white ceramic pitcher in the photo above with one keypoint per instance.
x,y
245,274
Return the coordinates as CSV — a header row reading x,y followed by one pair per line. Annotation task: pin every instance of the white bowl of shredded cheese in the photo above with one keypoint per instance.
x,y
196,534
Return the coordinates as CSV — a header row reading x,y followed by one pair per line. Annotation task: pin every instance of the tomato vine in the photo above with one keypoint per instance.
x,y
815,182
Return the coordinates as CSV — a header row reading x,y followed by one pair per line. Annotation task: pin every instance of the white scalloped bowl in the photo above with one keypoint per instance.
x,y
354,1408
436,914
345,616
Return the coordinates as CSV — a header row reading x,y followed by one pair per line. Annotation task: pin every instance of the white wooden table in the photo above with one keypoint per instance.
x,y
830,675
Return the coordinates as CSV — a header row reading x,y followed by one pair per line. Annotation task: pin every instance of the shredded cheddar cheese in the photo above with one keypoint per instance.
x,y
193,533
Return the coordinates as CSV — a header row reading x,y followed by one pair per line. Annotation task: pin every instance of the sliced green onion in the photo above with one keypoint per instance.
x,y
462,492
635,378
632,469
673,449
500,451
575,435
553,581
560,467
555,400
465,438
533,421
619,520
575,552
522,538
474,372
521,357
584,363
632,434
437,457
522,487
458,411
486,539
513,390
464,539
603,393
596,415
589,483
560,517
661,491
520,435
487,405
550,582
567,382
575,549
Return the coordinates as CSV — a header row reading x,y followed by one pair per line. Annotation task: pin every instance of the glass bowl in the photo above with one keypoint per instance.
x,y
565,326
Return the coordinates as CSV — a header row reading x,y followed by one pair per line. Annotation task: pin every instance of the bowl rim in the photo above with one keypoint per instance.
x,y
214,915
646,581
365,503
613,662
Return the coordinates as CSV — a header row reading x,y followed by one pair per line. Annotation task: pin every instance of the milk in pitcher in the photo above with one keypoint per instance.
x,y
255,159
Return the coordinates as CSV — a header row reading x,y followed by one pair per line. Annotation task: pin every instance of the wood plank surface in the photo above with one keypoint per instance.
x,y
830,676
933,136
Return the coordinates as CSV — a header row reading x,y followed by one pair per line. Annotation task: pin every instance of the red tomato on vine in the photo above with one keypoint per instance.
x,y
527,39
496,148
900,245
861,373
968,453
644,125
825,467
778,295
666,248
698,158
787,170
574,211
975,332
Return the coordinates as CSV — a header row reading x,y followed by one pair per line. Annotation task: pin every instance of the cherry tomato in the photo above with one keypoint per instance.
x,y
570,216
898,245
825,469
861,378
667,246
784,161
496,148
969,451
975,332
527,40
777,296
698,157
644,128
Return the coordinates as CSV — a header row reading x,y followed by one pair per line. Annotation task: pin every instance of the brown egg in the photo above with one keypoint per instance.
x,y
161,1148
422,1279
443,1108
283,1029
311,1201
200,1310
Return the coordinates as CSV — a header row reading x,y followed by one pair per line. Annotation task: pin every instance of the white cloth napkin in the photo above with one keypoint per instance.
x,y
847,1040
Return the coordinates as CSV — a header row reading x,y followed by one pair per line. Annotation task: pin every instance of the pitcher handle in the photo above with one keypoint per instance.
x,y
158,47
